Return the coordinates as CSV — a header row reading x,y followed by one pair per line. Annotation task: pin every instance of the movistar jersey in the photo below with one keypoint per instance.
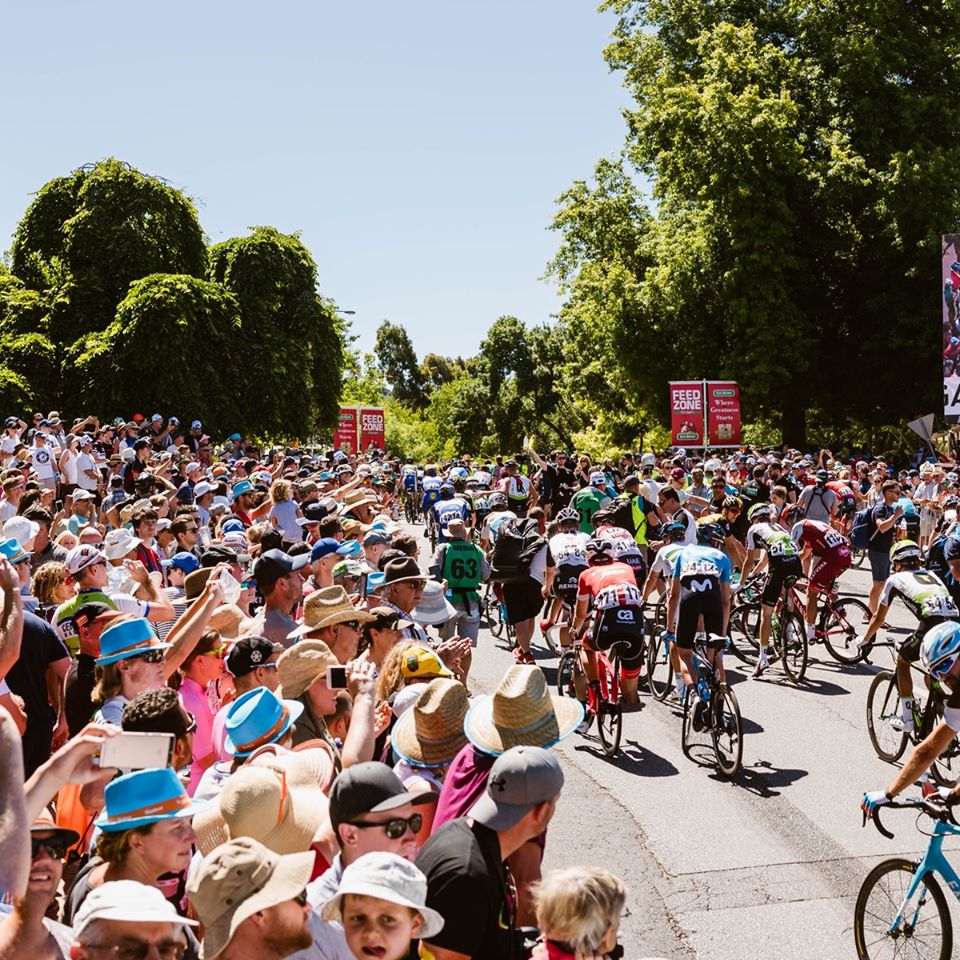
x,y
696,562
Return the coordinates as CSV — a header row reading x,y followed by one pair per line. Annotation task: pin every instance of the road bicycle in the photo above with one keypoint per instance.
x,y
883,703
552,635
495,611
411,506
720,714
901,910
659,664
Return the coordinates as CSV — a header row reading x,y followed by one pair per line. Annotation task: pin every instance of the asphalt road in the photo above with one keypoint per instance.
x,y
766,866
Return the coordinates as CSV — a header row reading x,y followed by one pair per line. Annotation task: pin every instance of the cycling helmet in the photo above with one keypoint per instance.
x,y
710,535
648,460
447,490
674,532
459,484
950,503
568,515
597,479
600,550
732,503
497,501
905,552
759,512
940,648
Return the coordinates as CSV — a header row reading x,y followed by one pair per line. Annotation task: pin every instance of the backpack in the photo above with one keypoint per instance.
x,y
517,543
818,491
863,529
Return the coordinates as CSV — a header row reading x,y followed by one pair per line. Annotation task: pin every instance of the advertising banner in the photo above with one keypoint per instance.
x,y
723,413
345,438
950,285
686,412
372,428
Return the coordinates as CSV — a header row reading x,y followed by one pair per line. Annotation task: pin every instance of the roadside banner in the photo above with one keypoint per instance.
x,y
687,412
372,428
950,287
345,438
723,413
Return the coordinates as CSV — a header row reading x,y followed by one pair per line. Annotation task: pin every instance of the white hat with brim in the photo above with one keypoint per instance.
x,y
434,608
118,543
127,901
386,876
521,712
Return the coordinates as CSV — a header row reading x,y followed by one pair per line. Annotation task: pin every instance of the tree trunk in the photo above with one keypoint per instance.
x,y
793,423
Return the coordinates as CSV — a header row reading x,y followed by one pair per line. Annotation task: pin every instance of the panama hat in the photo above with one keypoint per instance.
x,y
325,607
521,712
145,796
257,718
13,551
299,667
434,608
431,733
126,639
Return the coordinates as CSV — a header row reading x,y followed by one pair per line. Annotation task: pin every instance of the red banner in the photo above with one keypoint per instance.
x,y
723,413
372,428
686,412
345,438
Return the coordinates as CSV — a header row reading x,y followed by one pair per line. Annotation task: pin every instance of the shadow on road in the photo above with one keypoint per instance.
x,y
763,778
633,758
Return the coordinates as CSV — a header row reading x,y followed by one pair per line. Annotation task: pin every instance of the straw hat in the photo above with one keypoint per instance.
x,y
431,734
327,606
302,665
358,498
521,712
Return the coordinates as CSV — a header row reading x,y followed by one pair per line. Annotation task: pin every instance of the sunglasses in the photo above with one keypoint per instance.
x,y
191,529
218,652
300,899
139,949
56,847
352,624
149,656
394,829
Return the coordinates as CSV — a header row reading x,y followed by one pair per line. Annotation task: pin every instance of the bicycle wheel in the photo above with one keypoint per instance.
x,y
566,674
745,632
686,724
494,611
510,631
858,557
792,645
883,702
659,668
924,930
727,731
842,623
946,768
610,710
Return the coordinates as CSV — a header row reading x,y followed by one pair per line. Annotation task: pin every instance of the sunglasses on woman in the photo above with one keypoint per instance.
x,y
149,656
394,829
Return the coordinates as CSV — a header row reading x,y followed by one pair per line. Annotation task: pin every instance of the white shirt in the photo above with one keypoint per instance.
x,y
86,462
42,458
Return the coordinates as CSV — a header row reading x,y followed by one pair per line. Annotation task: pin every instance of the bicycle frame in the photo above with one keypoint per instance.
x,y
611,691
933,862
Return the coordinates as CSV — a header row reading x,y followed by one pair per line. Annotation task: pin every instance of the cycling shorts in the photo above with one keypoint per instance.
x,y
699,597
909,648
829,567
781,570
565,582
624,625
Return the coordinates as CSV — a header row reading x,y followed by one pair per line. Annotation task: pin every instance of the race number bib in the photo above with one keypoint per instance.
x,y
619,595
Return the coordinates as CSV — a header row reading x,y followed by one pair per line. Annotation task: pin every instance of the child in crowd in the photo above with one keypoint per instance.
x,y
578,914
284,512
380,902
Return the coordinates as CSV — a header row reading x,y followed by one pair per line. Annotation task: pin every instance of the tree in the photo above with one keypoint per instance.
x,y
398,361
287,329
436,370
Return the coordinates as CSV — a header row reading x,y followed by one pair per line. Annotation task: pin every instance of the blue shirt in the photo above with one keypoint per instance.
x,y
696,561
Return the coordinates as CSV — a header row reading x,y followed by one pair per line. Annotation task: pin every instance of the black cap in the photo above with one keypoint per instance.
x,y
275,564
369,787
218,554
248,653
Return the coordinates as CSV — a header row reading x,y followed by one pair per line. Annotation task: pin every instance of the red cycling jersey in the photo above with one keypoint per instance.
x,y
595,579
820,537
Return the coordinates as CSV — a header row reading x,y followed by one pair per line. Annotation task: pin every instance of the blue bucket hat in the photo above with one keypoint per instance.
x,y
244,486
233,525
146,796
128,638
257,718
12,550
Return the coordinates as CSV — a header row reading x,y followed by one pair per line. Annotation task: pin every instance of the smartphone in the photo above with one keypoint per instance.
x,y
58,506
337,678
362,586
137,751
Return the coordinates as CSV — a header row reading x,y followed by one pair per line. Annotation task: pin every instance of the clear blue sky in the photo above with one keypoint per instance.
x,y
417,146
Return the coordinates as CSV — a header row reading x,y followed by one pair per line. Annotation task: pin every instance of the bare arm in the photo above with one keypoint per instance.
x,y
188,630
359,741
922,758
11,618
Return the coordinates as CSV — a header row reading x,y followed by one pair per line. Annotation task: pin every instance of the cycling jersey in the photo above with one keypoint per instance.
x,y
701,563
700,571
492,524
587,502
820,537
446,510
594,580
431,492
923,593
775,540
627,550
569,549
517,488
666,558
684,517
410,482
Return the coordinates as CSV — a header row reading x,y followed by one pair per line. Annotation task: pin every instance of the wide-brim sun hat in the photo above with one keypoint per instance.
x,y
434,608
257,718
430,734
143,797
326,607
521,712
300,666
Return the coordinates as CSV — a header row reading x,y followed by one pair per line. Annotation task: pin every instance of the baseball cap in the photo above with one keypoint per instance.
x,y
83,556
275,564
376,536
219,553
203,488
520,778
324,547
369,787
129,901
184,561
196,425
248,653
597,479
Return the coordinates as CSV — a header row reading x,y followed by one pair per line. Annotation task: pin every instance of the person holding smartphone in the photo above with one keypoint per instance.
x,y
883,517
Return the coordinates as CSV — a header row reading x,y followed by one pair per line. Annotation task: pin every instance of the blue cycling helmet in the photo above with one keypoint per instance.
x,y
674,531
710,535
940,648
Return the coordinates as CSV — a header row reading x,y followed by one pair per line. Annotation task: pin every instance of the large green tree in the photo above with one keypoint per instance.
x,y
398,361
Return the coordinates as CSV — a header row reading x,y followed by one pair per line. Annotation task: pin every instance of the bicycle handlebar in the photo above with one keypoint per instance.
x,y
936,810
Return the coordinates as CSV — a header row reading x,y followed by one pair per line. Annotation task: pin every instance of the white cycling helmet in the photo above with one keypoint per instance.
x,y
759,512
940,649
568,515
597,479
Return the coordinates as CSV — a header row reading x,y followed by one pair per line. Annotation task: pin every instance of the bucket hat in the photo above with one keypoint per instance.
x,y
257,718
327,606
145,796
21,529
299,667
129,901
126,639
118,543
434,608
386,877
521,712
431,733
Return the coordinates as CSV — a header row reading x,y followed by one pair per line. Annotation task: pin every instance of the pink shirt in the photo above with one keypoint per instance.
x,y
219,734
195,701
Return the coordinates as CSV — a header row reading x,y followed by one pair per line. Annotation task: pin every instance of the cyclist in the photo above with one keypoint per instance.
x,y
591,499
498,513
729,512
699,600
611,588
772,545
450,507
927,598
940,656
569,550
831,551
518,489
430,485
625,549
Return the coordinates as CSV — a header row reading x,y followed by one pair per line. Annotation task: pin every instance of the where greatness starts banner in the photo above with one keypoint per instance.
x,y
345,438
723,413
686,412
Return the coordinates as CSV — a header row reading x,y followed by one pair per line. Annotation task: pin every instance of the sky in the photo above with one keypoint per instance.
x,y
417,147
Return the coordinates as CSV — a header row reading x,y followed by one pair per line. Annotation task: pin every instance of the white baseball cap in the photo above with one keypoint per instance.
x,y
129,901
20,529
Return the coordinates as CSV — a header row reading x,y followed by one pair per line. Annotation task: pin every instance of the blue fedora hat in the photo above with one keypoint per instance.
x,y
350,548
257,718
129,638
145,796
12,550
